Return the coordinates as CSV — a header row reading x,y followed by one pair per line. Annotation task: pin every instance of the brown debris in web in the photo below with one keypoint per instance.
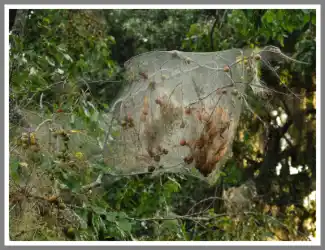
x,y
155,124
212,144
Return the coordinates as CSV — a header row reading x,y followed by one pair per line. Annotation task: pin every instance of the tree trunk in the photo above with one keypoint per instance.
x,y
12,17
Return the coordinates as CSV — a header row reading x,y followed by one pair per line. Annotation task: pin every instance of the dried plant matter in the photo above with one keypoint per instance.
x,y
239,200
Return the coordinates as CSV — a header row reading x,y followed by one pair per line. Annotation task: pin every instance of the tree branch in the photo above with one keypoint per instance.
x,y
287,152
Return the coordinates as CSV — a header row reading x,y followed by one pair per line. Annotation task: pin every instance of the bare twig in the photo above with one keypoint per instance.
x,y
212,92
98,181
42,123
94,184
279,78
204,200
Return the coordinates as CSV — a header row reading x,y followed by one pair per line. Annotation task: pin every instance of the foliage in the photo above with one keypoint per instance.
x,y
65,71
61,51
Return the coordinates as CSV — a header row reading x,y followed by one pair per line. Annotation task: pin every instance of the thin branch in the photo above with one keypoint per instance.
x,y
279,78
201,201
287,152
214,91
252,111
194,216
288,140
42,123
98,181
178,217
94,184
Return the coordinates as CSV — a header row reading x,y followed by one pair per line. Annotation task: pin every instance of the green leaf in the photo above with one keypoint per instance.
x,y
281,39
14,171
99,210
171,187
86,112
73,183
267,234
173,180
46,20
66,56
61,48
111,216
22,77
72,119
184,231
246,136
222,174
269,16
313,20
125,225
111,39
94,116
91,105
